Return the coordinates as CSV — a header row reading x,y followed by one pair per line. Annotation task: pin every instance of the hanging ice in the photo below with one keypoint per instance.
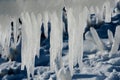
x,y
76,25
30,41
64,74
5,35
46,20
71,31
15,33
82,24
55,41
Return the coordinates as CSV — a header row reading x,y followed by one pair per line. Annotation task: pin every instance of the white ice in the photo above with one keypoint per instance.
x,y
55,41
116,41
97,39
30,41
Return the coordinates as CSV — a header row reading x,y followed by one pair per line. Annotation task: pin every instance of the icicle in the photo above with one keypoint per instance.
x,y
30,41
46,20
5,36
86,13
116,41
97,39
56,37
71,23
82,23
38,38
110,36
98,18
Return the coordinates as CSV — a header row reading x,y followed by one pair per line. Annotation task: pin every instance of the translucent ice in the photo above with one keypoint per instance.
x,y
55,39
110,36
76,25
71,31
46,20
97,39
116,41
30,41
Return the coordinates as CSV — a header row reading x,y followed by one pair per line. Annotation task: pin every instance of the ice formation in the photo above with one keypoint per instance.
x,y
76,37
97,39
46,20
5,34
30,41
71,23
110,36
16,33
116,41
55,40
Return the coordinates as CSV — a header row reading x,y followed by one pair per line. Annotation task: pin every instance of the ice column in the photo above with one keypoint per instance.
x,y
55,41
71,42
5,35
15,33
116,41
46,20
82,24
30,41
